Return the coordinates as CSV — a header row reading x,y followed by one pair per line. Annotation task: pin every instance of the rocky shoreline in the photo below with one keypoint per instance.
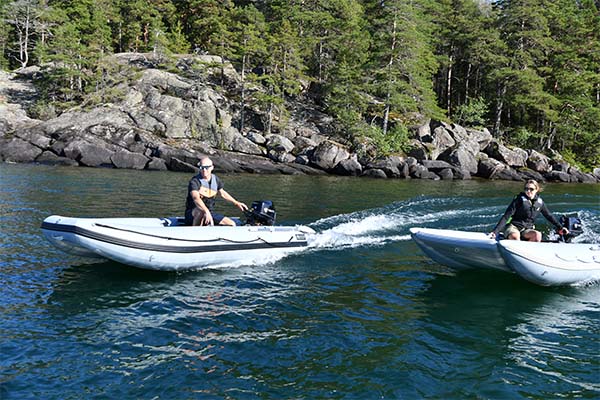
x,y
167,121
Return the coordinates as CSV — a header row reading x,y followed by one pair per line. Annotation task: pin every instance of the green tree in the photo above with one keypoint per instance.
x,y
250,49
402,61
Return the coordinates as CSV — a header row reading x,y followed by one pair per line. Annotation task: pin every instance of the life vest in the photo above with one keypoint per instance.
x,y
208,191
527,212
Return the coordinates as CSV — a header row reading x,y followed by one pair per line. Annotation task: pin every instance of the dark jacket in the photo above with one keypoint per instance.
x,y
524,212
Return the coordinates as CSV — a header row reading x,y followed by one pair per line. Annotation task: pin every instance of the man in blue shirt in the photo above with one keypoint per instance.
x,y
202,192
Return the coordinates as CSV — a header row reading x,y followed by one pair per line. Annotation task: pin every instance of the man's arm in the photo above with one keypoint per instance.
x,y
230,198
207,217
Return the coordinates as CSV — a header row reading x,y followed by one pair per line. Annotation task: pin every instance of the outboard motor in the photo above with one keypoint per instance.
x,y
573,223
261,212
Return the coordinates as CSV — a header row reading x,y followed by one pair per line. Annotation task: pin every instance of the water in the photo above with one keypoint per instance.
x,y
361,314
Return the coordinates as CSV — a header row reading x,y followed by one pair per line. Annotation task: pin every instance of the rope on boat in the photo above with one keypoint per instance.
x,y
259,239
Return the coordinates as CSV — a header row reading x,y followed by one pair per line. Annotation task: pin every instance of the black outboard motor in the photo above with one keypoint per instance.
x,y
261,212
573,223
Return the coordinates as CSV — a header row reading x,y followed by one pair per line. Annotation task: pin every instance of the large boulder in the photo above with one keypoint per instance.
x,y
578,176
538,162
279,143
489,168
374,173
48,157
513,158
462,158
18,150
89,154
328,154
558,176
244,145
129,160
436,139
390,165
348,167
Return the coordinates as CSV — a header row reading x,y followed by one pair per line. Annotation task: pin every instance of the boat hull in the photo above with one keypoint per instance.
x,y
459,249
163,244
549,264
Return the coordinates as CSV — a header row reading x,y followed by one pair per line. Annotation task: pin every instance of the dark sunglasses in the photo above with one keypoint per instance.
x,y
205,167
529,189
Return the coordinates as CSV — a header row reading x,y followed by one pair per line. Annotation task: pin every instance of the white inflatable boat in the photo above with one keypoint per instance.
x,y
459,249
166,244
544,263
548,263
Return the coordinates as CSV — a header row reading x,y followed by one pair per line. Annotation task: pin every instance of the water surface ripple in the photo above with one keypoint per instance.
x,y
360,314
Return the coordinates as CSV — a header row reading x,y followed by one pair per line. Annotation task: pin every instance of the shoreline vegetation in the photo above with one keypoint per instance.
x,y
348,87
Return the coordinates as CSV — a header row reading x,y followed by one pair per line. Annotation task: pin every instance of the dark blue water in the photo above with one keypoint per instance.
x,y
362,314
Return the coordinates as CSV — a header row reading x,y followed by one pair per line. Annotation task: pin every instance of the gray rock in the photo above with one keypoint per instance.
x,y
157,164
513,158
436,165
418,150
303,144
560,165
35,138
49,158
374,173
483,137
508,174
578,176
244,145
178,165
389,165
129,160
488,168
279,143
462,158
527,173
18,150
597,173
446,174
348,167
404,170
436,138
281,156
461,174
167,153
538,162
328,154
88,154
256,137
558,176
302,159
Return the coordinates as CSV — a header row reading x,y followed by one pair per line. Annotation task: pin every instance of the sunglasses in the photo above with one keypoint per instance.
x,y
205,167
529,189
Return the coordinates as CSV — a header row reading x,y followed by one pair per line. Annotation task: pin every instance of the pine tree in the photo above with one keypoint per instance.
x,y
402,61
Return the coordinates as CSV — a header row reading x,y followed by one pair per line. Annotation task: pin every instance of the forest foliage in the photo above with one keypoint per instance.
x,y
527,69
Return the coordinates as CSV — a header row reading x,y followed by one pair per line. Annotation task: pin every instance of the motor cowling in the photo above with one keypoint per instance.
x,y
261,212
573,223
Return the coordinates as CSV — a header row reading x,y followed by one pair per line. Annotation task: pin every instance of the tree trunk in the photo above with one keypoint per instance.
x,y
501,92
386,114
243,92
449,82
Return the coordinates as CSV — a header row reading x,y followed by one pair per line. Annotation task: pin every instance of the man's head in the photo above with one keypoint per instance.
x,y
206,166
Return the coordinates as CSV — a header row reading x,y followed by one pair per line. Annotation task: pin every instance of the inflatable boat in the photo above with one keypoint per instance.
x,y
544,263
167,244
460,249
548,263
